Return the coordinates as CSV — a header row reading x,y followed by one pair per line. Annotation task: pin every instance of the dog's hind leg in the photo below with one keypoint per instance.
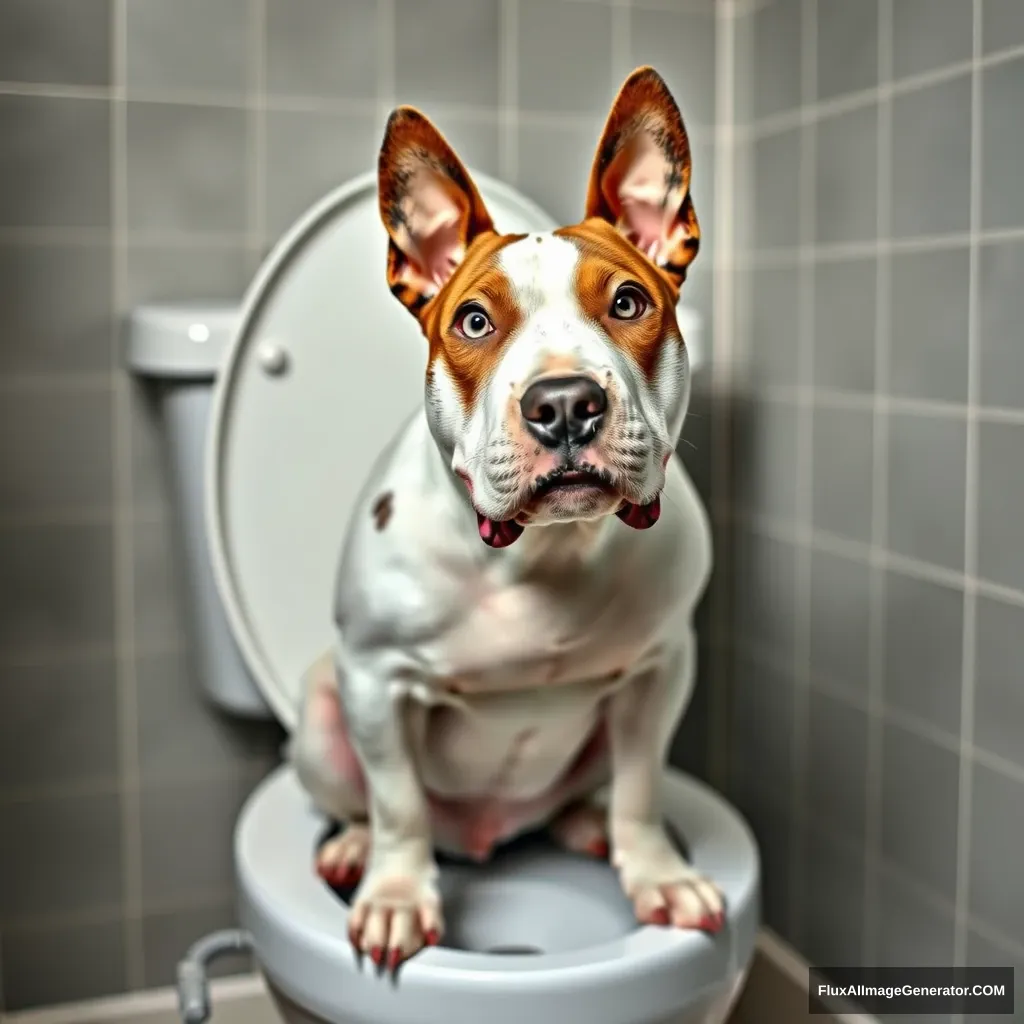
x,y
329,771
582,827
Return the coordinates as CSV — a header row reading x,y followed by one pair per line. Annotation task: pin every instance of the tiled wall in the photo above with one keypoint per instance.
x,y
152,149
878,736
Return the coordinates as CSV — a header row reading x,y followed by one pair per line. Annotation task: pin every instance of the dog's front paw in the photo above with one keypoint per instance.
x,y
663,887
395,913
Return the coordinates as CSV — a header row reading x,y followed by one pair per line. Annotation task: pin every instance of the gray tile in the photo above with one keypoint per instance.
x,y
1002,149
765,458
1000,312
928,339
842,474
58,723
44,336
927,463
564,58
996,895
931,159
840,621
771,827
159,612
189,45
323,48
187,836
762,726
39,837
920,795
984,952
777,52
310,154
157,273
1002,24
476,141
846,193
44,966
911,930
833,907
571,150
929,34
775,326
166,938
847,47
681,45
55,162
187,168
776,174
55,451
923,650
844,324
65,42
764,581
171,705
837,757
998,686
1000,492
448,51
58,587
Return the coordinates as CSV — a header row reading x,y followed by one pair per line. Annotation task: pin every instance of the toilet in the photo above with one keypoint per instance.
x,y
253,414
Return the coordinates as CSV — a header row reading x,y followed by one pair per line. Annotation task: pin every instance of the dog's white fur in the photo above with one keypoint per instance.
x,y
465,680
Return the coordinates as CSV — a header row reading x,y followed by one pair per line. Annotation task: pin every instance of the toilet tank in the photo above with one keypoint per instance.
x,y
177,350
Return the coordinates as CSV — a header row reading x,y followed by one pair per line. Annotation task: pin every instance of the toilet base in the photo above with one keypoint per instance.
x,y
713,1010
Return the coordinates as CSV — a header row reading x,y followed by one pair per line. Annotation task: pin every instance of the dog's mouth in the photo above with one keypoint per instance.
x,y
567,480
572,478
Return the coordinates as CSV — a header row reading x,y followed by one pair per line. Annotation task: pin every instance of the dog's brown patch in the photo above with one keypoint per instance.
x,y
608,260
382,509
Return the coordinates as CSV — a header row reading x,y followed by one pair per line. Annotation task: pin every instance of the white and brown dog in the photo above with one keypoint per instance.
x,y
514,645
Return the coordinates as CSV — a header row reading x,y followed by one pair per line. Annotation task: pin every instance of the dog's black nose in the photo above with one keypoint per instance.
x,y
564,410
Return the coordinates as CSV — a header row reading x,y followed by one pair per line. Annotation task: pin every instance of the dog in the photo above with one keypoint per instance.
x,y
515,594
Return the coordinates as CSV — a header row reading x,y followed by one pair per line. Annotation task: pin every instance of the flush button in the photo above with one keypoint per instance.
x,y
273,359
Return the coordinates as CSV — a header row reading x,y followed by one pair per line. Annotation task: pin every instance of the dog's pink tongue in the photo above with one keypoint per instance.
x,y
640,517
498,534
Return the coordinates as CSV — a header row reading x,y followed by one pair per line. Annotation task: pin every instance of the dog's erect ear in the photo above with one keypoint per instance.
x,y
640,181
429,205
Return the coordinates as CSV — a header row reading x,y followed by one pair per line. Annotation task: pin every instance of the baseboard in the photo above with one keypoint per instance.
x,y
775,993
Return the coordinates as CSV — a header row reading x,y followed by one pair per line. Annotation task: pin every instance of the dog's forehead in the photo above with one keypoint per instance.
x,y
542,269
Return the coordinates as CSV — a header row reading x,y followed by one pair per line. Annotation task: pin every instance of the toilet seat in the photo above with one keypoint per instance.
x,y
300,930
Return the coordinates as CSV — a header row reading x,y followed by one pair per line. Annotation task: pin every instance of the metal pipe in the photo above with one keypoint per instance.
x,y
193,983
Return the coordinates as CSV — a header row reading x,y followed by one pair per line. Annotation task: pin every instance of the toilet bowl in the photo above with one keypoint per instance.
x,y
261,405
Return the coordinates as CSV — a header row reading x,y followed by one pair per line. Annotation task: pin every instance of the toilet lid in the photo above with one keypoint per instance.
x,y
321,343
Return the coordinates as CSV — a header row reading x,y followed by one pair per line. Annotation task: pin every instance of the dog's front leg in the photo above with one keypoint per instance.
x,y
397,908
642,717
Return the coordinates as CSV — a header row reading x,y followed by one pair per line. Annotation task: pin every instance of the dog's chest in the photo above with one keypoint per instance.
x,y
521,636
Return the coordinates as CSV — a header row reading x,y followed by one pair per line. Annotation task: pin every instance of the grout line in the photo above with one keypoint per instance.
x,y
879,501
970,516
256,129
817,111
508,114
835,252
804,473
723,287
124,584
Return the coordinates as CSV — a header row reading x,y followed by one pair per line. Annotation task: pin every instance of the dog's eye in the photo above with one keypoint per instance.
x,y
473,323
629,303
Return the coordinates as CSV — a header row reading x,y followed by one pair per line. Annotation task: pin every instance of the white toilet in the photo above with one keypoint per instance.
x,y
255,403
